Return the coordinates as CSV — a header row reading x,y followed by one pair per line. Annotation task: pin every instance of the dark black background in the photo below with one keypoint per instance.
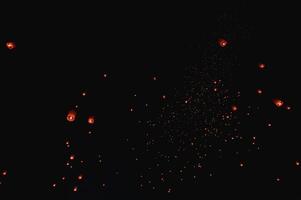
x,y
63,50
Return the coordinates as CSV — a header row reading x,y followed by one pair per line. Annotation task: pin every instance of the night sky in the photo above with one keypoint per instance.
x,y
151,102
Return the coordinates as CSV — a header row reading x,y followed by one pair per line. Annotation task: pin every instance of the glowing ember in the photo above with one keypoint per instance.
x,y
80,177
72,157
91,120
234,108
71,116
259,91
278,102
4,173
10,45
261,66
222,42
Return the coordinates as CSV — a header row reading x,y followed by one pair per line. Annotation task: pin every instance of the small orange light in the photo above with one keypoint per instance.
x,y
10,45
71,116
91,120
261,66
278,102
234,108
72,157
222,42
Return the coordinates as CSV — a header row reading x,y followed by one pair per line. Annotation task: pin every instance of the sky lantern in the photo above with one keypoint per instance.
x,y
91,119
234,108
261,66
278,102
259,91
71,116
222,42
10,45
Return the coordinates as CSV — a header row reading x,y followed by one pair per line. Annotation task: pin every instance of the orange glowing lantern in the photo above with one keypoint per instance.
x,y
222,42
278,102
71,116
10,45
91,120
261,66
234,108
259,91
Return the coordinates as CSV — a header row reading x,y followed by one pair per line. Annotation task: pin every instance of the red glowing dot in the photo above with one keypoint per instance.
x,y
63,178
75,189
10,45
4,173
261,66
71,116
259,91
54,185
222,42
278,102
72,157
234,108
80,177
91,120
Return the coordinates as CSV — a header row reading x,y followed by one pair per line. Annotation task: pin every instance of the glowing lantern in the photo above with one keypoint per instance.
x,y
10,45
222,42
4,173
72,157
80,177
234,108
278,102
71,116
91,120
261,66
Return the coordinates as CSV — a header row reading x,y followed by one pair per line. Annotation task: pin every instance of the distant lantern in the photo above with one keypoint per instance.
x,y
71,116
72,157
259,91
10,45
278,102
80,177
4,173
222,42
261,66
91,119
234,108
